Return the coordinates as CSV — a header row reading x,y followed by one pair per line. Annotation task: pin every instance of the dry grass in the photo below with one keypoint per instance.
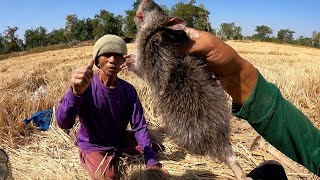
x,y
53,155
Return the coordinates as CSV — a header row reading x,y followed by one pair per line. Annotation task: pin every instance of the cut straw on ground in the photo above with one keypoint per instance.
x,y
38,81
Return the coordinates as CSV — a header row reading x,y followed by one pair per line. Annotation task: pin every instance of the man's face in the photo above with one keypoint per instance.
x,y
110,63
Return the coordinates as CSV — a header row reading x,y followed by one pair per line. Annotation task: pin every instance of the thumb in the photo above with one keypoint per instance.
x,y
192,33
90,64
201,44
191,45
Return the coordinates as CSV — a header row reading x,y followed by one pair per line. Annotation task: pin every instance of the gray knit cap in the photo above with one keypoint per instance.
x,y
109,44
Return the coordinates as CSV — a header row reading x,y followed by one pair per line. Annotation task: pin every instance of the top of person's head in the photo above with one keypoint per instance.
x,y
109,44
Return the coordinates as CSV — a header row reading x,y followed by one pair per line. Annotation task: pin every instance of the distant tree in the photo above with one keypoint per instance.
x,y
107,23
2,44
226,30
185,11
304,41
70,30
263,32
85,29
56,37
79,30
13,43
237,33
230,31
130,29
214,32
195,16
36,38
285,35
315,39
203,19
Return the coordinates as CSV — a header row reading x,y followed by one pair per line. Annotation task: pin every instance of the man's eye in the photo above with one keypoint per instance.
x,y
108,55
118,56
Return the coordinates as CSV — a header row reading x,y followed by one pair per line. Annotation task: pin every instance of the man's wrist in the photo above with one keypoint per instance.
x,y
240,83
75,93
151,162
249,78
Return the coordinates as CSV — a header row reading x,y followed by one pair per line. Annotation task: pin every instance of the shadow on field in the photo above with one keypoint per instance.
x,y
155,174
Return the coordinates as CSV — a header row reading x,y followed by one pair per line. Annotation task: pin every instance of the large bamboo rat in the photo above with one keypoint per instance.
x,y
191,102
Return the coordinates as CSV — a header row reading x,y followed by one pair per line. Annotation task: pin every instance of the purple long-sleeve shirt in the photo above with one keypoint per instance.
x,y
104,115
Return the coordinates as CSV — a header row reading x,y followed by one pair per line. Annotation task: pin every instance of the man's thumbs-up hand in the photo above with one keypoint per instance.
x,y
81,78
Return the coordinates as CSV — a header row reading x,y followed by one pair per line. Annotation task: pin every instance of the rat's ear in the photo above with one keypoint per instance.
x,y
176,23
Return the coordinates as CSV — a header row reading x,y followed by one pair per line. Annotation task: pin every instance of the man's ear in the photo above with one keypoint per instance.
x,y
176,23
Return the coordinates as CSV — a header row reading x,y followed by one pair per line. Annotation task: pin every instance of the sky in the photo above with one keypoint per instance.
x,y
300,16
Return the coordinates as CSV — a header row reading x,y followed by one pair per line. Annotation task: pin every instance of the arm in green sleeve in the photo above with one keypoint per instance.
x,y
282,124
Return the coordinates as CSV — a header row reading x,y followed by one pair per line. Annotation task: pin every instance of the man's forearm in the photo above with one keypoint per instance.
x,y
67,110
240,83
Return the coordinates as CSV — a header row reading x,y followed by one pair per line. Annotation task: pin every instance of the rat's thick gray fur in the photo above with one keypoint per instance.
x,y
192,103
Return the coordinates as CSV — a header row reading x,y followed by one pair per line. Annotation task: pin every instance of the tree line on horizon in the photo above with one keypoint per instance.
x,y
196,16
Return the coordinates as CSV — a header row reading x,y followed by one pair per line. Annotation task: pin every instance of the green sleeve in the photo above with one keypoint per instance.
x,y
281,124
